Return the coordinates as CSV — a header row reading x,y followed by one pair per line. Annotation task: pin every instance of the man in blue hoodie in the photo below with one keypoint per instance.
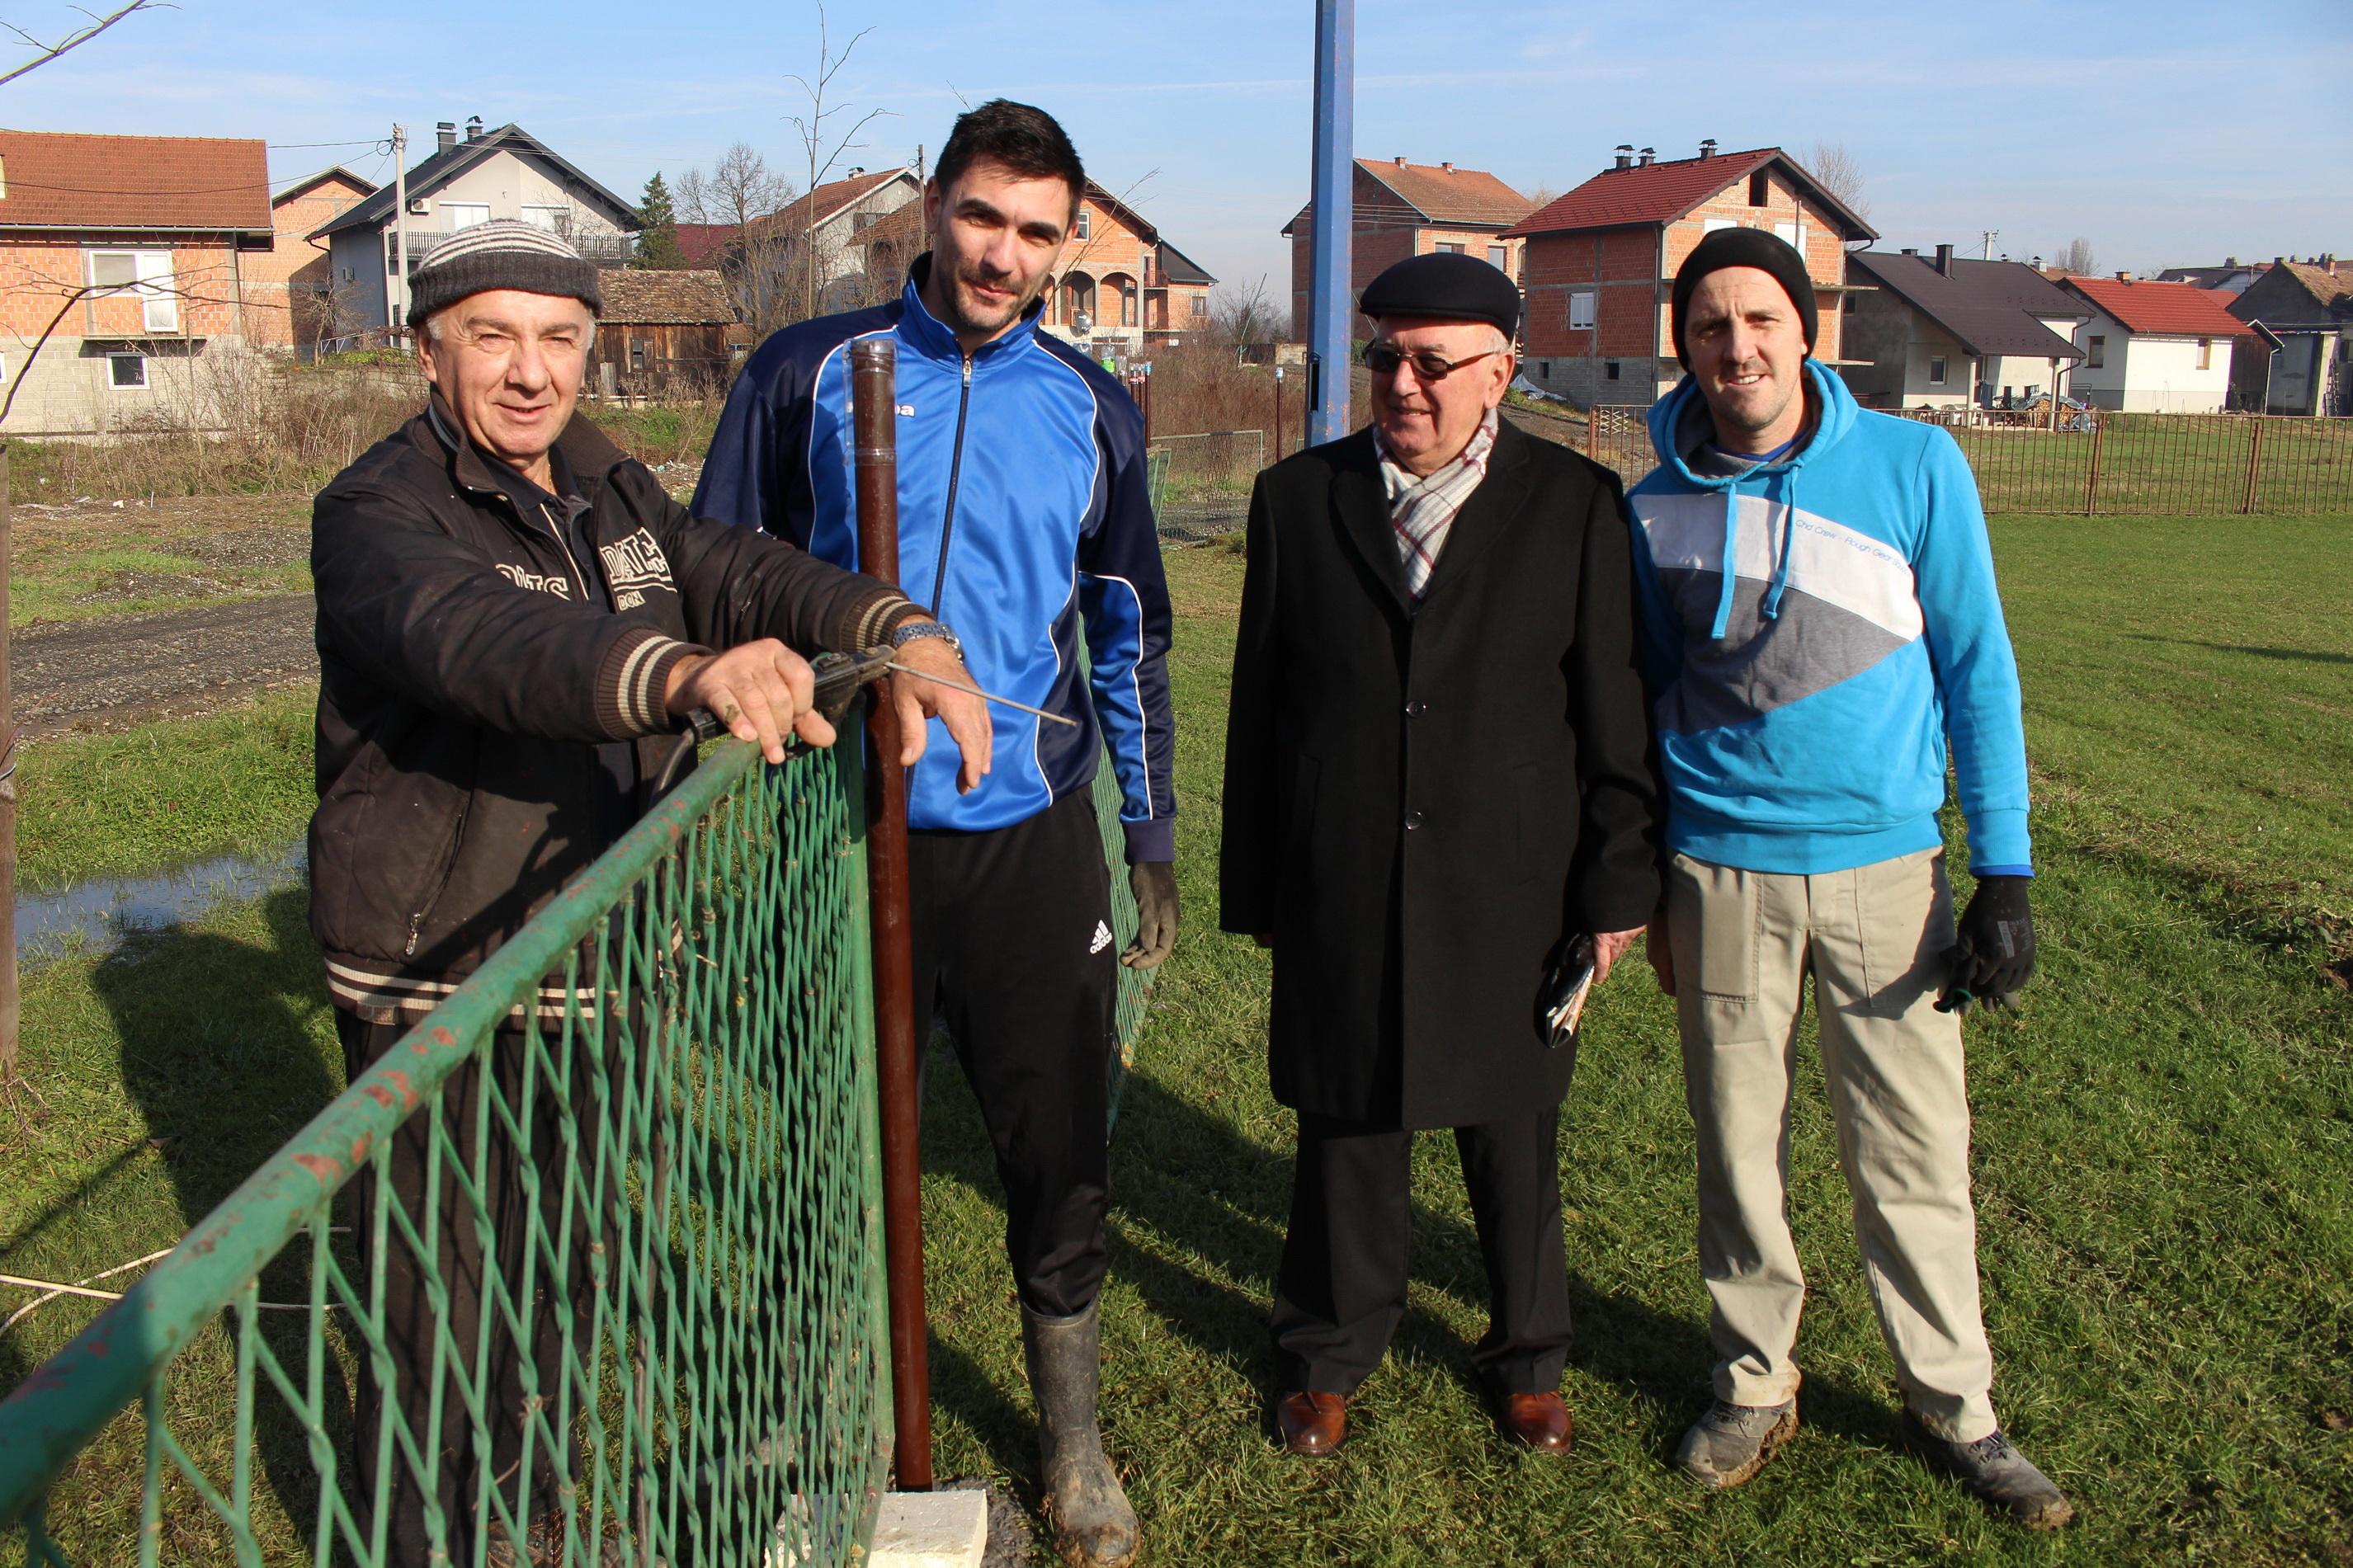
x,y
1820,618
1024,520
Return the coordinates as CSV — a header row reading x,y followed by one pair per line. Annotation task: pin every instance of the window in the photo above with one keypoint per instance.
x,y
2098,349
1200,304
1795,233
1580,308
466,215
1760,189
2205,354
148,274
1498,256
1449,248
1609,368
1936,371
1709,226
1543,370
551,219
126,373
1082,223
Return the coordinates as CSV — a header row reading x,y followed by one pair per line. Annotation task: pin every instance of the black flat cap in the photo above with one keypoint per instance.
x,y
1445,286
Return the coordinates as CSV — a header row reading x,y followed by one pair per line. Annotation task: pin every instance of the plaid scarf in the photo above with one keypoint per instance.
x,y
1421,510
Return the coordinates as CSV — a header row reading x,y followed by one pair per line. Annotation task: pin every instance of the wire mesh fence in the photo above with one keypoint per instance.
x,y
1203,481
615,1295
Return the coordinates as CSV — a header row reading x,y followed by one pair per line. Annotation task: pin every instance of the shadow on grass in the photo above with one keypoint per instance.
x,y
1186,1182
2294,655
220,1052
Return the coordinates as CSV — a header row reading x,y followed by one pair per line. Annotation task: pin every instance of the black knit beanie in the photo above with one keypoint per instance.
x,y
1745,248
504,253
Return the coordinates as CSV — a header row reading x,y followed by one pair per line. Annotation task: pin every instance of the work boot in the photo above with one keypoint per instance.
x,y
1086,1507
1731,1443
2000,1476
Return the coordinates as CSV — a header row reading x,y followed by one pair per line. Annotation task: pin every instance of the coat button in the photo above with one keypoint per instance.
x,y
1416,709
1412,820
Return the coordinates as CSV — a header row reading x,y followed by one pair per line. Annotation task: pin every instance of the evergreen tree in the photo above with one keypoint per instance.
x,y
657,240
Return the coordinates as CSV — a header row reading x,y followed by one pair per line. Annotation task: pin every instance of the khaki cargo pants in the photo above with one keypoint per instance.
x,y
1873,937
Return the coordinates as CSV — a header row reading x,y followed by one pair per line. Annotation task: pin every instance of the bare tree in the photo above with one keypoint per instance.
x,y
741,195
1837,171
823,147
1241,315
2077,258
1542,196
44,53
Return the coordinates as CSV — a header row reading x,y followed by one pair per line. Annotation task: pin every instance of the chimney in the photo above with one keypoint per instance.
x,y
1910,250
473,127
1649,154
1945,259
2230,261
1707,148
1400,162
2123,276
446,133
1625,155
1447,167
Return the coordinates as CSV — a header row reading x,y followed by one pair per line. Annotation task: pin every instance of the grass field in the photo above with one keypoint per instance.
x,y
2164,1153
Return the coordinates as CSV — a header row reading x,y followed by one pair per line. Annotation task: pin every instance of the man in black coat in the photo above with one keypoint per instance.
x,y
1437,768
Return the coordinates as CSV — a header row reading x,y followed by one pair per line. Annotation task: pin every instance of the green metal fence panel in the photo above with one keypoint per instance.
x,y
642,1212
1135,985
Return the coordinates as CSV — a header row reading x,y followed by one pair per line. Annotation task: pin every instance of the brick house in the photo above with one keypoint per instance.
x,y
123,261
504,173
1950,331
1405,209
1135,290
2310,304
2150,347
291,297
1602,260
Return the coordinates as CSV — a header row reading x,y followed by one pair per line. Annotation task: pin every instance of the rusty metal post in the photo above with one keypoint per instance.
x,y
1593,431
8,1016
1278,415
874,402
2255,464
2091,476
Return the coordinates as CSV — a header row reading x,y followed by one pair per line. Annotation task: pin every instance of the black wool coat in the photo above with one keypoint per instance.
x,y
1421,801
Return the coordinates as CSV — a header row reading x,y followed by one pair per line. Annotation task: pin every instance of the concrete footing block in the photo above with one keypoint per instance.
x,y
931,1529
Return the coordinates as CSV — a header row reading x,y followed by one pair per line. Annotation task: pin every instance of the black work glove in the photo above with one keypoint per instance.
x,y
1994,952
1155,884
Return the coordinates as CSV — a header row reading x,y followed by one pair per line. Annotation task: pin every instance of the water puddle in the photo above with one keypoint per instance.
x,y
94,917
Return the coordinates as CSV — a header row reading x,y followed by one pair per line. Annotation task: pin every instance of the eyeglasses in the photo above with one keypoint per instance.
x,y
1428,366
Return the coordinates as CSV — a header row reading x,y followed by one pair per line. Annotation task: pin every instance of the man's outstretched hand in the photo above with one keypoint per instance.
x,y
965,716
1154,885
761,690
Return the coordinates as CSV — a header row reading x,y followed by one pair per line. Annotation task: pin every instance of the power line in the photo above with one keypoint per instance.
x,y
299,146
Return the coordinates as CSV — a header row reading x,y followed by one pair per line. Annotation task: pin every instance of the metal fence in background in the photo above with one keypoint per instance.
x,y
1201,482
693,1292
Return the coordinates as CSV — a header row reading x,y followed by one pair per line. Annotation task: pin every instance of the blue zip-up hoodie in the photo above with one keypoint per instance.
x,y
1804,698
1023,512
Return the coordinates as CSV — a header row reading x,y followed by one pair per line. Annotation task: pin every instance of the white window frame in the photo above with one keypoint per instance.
x,y
555,213
143,383
1794,233
1709,226
1084,222
151,281
450,211
1582,302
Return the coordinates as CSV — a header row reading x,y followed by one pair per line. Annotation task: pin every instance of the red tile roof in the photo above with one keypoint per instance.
x,y
1663,192
2175,309
76,181
1446,195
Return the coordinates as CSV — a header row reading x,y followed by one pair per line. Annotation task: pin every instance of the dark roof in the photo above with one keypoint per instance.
x,y
444,166
1662,192
651,296
1987,306
2331,286
309,182
1435,194
1175,267
698,241
2170,310
207,184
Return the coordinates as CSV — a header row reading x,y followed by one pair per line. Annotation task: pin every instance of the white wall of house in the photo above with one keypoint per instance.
x,y
2144,372
1938,372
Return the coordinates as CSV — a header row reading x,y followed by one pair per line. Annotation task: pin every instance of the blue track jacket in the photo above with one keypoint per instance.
x,y
1023,511
1804,698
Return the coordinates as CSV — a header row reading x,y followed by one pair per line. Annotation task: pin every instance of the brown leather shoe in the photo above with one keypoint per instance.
x,y
1312,1424
1539,1420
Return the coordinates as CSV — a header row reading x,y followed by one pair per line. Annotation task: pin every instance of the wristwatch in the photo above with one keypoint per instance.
x,y
913,631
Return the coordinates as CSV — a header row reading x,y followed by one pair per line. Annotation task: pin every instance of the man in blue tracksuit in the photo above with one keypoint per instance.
x,y
1820,618
1024,523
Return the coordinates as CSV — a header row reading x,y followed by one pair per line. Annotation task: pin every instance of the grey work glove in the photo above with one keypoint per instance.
x,y
1155,883
1993,953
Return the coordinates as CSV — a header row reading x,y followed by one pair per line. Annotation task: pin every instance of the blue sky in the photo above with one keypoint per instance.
x,y
2165,133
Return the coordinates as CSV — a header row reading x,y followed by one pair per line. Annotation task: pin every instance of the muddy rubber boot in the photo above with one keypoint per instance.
x,y
1085,1507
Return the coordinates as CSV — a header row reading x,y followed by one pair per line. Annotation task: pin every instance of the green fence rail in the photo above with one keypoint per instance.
x,y
681,1338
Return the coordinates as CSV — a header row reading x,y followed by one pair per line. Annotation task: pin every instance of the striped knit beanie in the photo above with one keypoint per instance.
x,y
504,253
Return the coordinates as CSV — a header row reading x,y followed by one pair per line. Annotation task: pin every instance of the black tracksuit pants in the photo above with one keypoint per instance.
x,y
1341,1288
1013,948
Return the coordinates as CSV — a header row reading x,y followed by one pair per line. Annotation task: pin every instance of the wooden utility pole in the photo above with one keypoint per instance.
x,y
875,426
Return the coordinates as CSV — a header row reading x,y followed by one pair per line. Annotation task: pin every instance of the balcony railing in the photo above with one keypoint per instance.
x,y
601,246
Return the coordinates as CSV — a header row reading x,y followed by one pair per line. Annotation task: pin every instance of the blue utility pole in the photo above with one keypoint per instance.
x,y
1332,302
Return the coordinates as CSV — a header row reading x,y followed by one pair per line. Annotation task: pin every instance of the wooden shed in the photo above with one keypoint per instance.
x,y
658,325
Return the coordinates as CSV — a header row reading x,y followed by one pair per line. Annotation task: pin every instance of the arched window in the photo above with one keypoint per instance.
x,y
1121,287
1078,294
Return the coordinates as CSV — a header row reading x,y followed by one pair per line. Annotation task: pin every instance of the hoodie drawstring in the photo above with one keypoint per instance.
x,y
1788,541
1731,547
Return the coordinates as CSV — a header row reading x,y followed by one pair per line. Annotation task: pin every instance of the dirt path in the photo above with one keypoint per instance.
x,y
126,670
